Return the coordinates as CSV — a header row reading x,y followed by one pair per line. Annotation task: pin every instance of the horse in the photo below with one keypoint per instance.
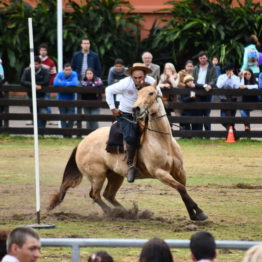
x,y
159,157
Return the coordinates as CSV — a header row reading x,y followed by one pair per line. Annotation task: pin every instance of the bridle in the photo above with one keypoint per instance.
x,y
147,119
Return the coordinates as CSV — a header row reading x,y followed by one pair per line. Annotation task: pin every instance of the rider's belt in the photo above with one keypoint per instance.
x,y
126,114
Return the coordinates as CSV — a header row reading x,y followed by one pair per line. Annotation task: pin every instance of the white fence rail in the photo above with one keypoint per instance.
x,y
76,243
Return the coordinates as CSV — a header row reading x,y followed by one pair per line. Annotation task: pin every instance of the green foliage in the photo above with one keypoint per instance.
x,y
214,26
112,34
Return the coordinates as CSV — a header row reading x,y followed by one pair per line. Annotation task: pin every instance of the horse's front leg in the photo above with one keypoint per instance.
x,y
195,213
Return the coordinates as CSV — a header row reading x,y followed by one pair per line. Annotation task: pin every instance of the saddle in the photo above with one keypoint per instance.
x,y
115,140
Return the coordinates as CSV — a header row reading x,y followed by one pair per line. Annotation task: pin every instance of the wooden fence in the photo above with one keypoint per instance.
x,y
11,99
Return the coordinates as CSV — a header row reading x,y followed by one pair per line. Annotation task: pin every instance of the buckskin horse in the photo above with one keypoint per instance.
x,y
159,157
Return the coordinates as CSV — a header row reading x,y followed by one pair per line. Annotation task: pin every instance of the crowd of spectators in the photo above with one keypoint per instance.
x,y
206,74
22,244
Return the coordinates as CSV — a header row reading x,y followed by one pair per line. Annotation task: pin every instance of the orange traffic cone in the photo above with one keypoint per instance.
x,y
230,135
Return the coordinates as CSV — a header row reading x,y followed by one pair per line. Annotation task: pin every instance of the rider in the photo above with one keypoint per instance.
x,y
128,88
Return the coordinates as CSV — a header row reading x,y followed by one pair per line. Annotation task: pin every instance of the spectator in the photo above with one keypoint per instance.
x,y
116,72
168,80
147,59
128,87
248,81
91,80
251,55
253,254
260,85
66,78
41,80
2,77
3,236
49,64
215,63
84,59
189,66
228,80
202,246
190,98
23,245
205,78
155,250
100,256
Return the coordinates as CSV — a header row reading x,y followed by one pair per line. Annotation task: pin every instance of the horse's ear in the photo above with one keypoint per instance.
x,y
155,84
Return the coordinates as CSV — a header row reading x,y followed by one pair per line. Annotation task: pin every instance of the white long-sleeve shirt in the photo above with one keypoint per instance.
x,y
254,86
125,87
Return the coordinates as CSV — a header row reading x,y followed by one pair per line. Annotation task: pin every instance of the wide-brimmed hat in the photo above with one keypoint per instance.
x,y
188,78
138,66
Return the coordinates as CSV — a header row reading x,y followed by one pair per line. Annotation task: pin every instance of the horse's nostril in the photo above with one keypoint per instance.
x,y
137,110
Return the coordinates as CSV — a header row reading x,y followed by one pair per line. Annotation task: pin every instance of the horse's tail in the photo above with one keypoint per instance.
x,y
72,177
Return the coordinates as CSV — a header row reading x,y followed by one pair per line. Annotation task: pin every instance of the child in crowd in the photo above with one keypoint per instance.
x,y
189,66
90,80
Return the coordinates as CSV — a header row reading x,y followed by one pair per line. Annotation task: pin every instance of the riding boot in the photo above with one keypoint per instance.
x,y
131,173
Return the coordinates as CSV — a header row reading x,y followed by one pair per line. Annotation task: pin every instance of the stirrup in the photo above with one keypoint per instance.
x,y
131,174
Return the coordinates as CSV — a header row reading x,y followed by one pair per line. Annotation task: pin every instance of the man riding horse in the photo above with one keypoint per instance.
x,y
128,88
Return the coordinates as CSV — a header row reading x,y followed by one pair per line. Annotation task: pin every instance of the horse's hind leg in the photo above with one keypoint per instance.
x,y
114,183
96,186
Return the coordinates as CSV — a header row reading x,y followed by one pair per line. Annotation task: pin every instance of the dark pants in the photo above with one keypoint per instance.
x,y
224,113
191,126
205,112
129,129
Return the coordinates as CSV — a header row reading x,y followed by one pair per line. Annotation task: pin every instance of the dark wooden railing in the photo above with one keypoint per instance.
x,y
11,99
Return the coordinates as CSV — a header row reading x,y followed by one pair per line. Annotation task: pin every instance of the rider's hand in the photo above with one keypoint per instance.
x,y
115,112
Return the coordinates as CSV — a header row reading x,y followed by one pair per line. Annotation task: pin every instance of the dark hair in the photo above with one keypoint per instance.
x,y
252,40
228,66
43,46
18,236
89,69
100,256
202,53
189,62
3,236
155,250
252,79
203,246
119,61
67,65
37,59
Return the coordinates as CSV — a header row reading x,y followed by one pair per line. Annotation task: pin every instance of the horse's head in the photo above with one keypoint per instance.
x,y
146,103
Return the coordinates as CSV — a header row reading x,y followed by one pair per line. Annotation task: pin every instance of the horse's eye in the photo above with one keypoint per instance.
x,y
150,94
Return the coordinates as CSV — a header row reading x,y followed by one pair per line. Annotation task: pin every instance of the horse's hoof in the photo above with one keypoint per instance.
x,y
201,216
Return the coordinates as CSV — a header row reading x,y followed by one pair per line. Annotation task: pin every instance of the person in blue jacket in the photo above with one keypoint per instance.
x,y
67,77
84,59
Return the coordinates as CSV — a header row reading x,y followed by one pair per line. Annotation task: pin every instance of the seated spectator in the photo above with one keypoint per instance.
x,y
23,245
3,236
116,72
228,80
215,63
190,98
66,78
41,80
253,254
248,81
169,79
91,80
155,250
189,66
100,256
147,59
202,246
2,77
